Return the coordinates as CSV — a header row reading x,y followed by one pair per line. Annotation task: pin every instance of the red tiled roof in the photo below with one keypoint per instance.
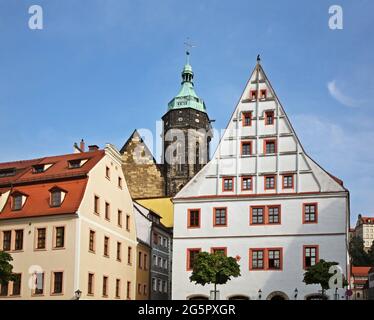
x,y
367,220
360,271
38,199
37,186
59,170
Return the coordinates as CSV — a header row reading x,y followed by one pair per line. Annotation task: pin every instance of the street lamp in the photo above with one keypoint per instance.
x,y
296,293
77,294
259,294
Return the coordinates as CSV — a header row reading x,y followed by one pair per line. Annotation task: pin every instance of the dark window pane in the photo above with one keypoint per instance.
x,y
41,238
60,237
56,198
17,202
7,240
220,216
57,285
19,240
17,285
257,215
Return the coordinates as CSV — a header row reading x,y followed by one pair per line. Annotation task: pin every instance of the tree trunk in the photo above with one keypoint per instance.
x,y
215,291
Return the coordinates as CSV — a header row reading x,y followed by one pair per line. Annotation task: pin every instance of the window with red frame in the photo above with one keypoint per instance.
x,y
246,183
310,212
269,182
228,184
273,214
219,250
246,148
192,254
247,119
194,218
269,118
288,181
274,259
220,216
257,259
253,95
258,215
270,146
263,94
310,256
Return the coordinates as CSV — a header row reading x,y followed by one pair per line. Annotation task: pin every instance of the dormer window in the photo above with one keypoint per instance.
x,y
40,168
57,196
8,172
76,163
18,200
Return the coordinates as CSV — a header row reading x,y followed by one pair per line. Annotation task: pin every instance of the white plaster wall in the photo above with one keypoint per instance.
x,y
331,216
143,224
107,190
30,260
331,248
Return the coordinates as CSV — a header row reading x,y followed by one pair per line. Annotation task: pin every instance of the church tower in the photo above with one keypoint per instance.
x,y
186,134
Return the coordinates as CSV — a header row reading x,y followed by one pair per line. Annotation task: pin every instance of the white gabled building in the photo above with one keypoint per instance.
x,y
263,200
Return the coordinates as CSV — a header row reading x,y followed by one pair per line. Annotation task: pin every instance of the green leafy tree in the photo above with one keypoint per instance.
x,y
359,256
214,268
319,274
6,268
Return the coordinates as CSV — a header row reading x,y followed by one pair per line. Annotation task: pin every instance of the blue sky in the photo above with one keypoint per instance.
x,y
99,69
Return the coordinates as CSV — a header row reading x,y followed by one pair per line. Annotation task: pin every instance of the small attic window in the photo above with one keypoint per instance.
x,y
8,172
40,168
57,196
263,94
18,200
77,163
253,95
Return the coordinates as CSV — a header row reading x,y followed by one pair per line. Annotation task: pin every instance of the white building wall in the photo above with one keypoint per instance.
x,y
332,248
311,185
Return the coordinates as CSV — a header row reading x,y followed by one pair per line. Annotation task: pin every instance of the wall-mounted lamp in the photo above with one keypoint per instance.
x,y
259,294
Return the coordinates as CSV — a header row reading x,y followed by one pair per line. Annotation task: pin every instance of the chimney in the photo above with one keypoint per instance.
x,y
82,145
93,148
76,148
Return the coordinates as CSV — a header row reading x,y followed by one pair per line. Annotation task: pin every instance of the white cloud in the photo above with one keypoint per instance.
x,y
338,95
343,150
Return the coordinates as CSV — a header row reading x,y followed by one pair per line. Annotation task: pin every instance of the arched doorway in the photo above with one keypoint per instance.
x,y
238,297
277,295
198,297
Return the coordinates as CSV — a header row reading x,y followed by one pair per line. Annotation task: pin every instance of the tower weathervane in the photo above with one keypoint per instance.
x,y
188,46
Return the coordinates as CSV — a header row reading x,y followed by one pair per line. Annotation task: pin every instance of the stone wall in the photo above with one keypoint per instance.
x,y
143,175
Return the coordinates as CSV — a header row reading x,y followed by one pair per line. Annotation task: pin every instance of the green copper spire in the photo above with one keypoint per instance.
x,y
187,97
